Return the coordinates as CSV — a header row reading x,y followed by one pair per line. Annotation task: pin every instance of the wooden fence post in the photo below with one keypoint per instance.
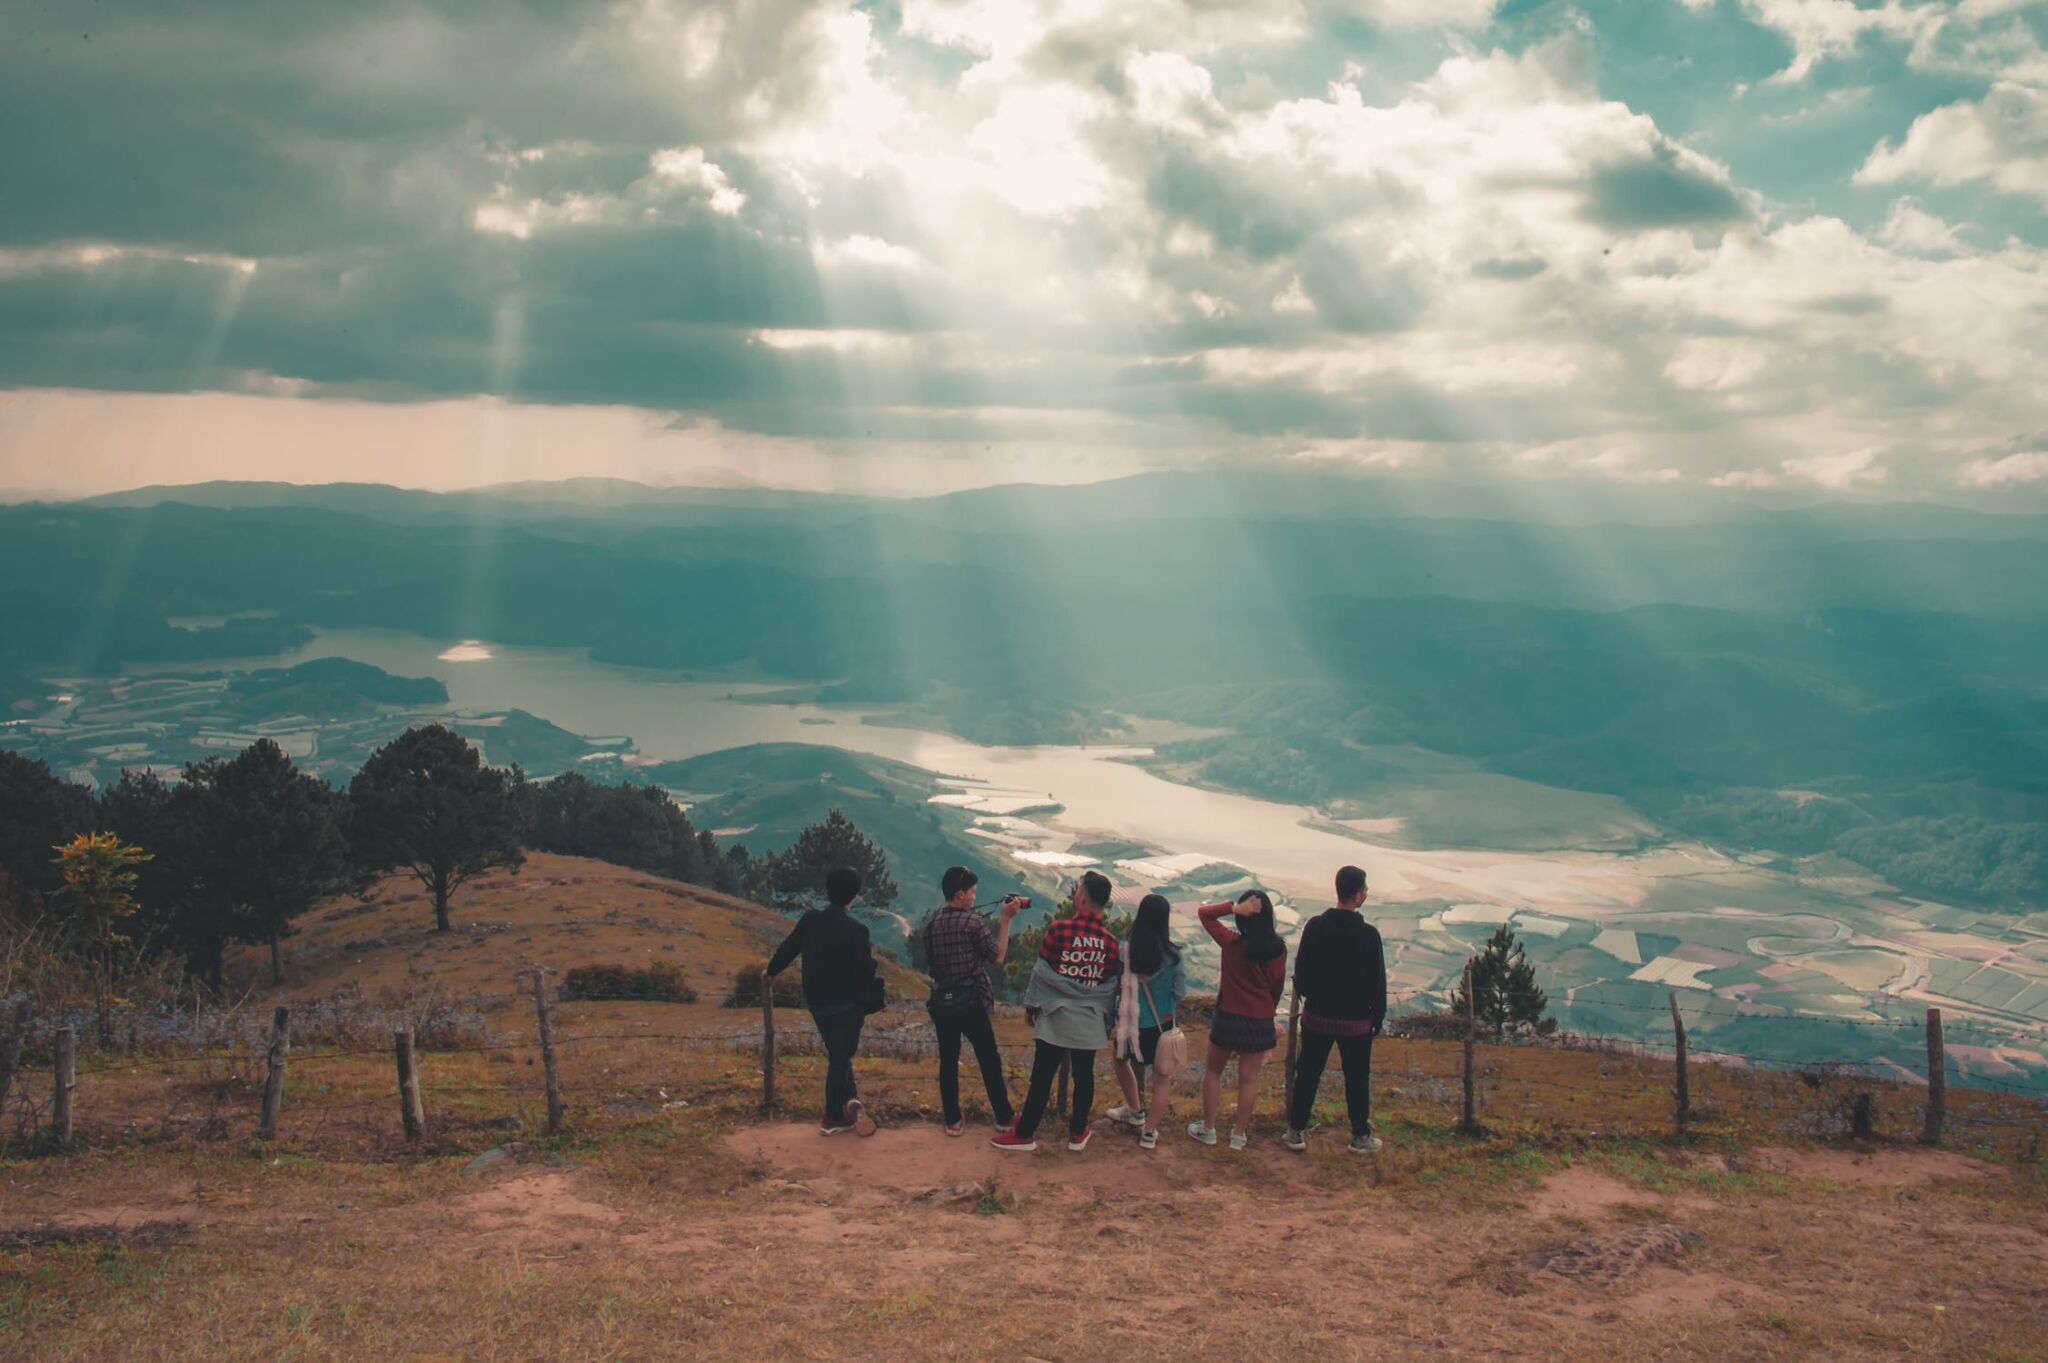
x,y
1937,1081
273,1079
1287,1087
1470,1124
767,1044
10,1052
410,1109
66,1081
1684,1110
1860,1116
543,1014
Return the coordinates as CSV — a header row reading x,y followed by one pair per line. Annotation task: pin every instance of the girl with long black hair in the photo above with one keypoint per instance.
x,y
1154,985
1254,978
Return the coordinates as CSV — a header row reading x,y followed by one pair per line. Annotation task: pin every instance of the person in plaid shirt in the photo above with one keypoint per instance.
x,y
959,948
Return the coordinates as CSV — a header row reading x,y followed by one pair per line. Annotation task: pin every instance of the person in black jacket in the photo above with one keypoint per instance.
x,y
839,967
1340,973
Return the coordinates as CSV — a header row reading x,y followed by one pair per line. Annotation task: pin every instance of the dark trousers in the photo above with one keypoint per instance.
x,y
980,1030
840,1033
1045,1064
1356,1053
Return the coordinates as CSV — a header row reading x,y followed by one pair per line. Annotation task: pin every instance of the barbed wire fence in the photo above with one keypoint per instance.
x,y
299,1075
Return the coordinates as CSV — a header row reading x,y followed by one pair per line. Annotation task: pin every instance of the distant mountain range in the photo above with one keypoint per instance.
x,y
1892,657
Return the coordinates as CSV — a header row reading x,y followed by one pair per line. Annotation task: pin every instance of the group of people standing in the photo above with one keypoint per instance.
x,y
1088,990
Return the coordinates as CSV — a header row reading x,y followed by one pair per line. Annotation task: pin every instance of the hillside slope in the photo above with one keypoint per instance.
x,y
557,912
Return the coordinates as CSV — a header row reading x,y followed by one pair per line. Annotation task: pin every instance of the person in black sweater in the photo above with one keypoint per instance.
x,y
839,966
1340,973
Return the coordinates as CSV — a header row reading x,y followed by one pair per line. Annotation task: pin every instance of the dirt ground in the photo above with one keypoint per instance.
x,y
671,1220
768,1241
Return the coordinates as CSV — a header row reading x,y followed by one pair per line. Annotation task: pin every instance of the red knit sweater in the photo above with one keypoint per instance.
x,y
1249,989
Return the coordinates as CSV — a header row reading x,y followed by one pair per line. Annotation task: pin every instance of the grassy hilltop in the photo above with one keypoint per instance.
x,y
673,1218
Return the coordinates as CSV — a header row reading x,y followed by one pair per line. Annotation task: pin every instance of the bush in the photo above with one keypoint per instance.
x,y
657,980
746,988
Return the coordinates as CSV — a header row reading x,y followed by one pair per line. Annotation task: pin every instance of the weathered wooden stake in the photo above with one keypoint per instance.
x,y
273,1079
1470,1124
1860,1117
767,1044
410,1109
544,1017
10,1052
1684,1110
1293,1025
67,1080
1937,1081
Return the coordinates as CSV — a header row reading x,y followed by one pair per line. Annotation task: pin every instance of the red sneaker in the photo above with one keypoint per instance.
x,y
1080,1142
1008,1139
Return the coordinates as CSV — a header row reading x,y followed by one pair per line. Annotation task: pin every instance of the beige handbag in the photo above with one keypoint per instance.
x,y
1170,1056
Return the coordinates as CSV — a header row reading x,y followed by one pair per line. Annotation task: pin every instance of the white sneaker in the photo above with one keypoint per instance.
x,y
1238,1140
1148,1140
1125,1113
1202,1132
1365,1145
1295,1140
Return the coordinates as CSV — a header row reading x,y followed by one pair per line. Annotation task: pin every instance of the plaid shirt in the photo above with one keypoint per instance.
x,y
1080,947
958,945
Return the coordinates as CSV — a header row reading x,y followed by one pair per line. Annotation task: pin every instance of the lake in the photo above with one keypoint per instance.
x,y
671,718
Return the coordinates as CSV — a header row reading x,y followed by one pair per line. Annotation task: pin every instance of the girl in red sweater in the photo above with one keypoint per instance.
x,y
1254,978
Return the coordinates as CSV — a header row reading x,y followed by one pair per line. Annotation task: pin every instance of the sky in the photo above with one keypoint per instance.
x,y
1774,247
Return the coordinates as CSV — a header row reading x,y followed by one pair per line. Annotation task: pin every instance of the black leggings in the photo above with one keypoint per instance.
x,y
974,1024
1044,1065
840,1033
1356,1052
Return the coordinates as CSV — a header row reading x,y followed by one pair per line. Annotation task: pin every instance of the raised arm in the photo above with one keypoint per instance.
x,y
1212,916
1012,906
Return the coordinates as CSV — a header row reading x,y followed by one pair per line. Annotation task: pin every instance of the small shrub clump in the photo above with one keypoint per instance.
x,y
659,981
746,988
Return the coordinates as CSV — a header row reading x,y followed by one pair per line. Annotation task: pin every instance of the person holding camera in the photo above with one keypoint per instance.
x,y
959,949
1074,988
841,987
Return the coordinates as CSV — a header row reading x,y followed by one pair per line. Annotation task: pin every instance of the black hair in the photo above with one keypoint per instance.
x,y
1151,938
956,879
1098,887
1261,936
842,883
1350,880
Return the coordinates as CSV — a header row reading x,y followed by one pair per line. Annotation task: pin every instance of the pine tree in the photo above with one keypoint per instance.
x,y
1504,993
426,803
796,877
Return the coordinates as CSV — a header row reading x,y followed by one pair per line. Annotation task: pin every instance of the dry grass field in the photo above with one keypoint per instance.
x,y
673,1219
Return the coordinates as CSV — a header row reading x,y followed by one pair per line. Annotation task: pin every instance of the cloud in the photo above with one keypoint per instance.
x,y
1852,469
2028,467
1426,235
2001,138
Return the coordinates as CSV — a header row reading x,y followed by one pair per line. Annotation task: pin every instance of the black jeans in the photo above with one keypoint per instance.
x,y
1044,1065
840,1033
1356,1053
975,1024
